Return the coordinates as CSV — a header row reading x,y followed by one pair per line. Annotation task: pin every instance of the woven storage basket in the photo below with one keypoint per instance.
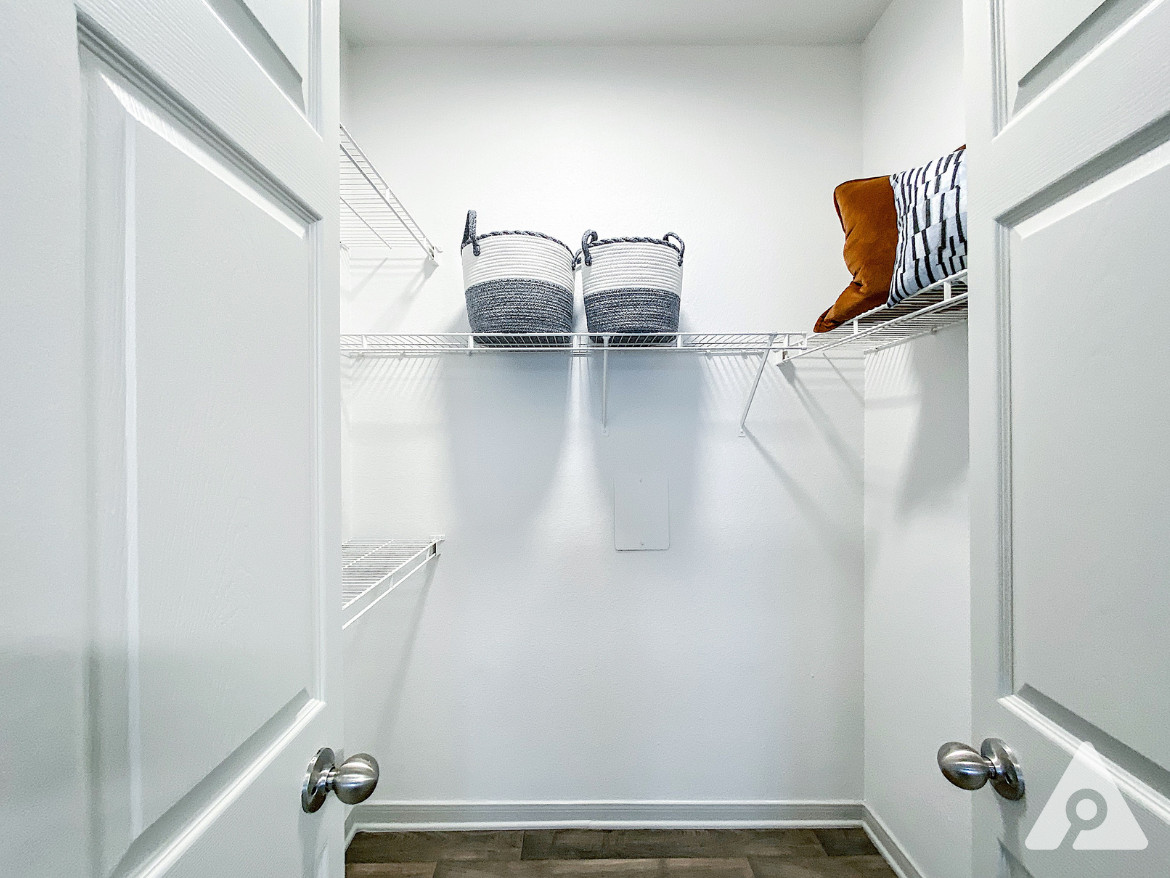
x,y
517,282
633,286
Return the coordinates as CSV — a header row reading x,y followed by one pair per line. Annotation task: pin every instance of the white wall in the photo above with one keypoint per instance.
x,y
917,643
917,639
537,663
736,149
913,95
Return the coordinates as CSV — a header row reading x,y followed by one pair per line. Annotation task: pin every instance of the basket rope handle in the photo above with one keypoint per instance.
x,y
469,233
681,246
588,238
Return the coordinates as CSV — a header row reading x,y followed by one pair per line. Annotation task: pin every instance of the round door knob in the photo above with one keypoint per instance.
x,y
353,781
970,770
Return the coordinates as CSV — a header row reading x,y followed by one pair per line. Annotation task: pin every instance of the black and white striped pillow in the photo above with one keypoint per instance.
x,y
931,205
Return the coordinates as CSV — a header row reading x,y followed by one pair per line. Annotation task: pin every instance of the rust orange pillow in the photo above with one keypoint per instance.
x,y
866,210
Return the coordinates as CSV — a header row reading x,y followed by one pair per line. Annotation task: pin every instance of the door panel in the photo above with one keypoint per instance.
x,y
238,644
1042,42
212,313
1033,29
1069,491
287,24
187,55
1086,618
1045,743
277,35
234,831
1103,114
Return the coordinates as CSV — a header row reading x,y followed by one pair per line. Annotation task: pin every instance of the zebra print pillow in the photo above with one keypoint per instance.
x,y
931,204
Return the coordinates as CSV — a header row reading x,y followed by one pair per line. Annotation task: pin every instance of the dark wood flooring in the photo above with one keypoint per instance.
x,y
617,853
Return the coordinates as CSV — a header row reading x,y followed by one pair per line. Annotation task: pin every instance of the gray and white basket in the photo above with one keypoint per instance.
x,y
516,282
632,286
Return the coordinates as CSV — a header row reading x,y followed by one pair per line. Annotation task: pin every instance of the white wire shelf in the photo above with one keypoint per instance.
x,y
759,344
939,305
577,344
371,214
371,569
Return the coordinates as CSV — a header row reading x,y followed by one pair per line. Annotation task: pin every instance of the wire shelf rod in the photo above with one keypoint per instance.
x,y
576,344
941,304
371,569
371,200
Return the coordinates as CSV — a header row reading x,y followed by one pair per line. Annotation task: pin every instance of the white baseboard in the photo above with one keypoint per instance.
x,y
350,826
390,816
885,842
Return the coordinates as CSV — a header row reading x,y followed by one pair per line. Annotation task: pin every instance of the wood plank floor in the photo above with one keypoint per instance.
x,y
617,853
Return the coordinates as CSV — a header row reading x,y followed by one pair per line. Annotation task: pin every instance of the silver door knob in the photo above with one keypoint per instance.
x,y
353,781
996,762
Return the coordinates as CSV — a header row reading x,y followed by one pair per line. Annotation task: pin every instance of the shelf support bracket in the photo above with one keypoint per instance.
x,y
747,406
605,385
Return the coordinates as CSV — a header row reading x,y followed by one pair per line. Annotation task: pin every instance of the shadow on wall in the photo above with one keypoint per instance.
x,y
373,389
444,441
384,639
807,382
407,276
655,412
842,448
547,665
930,375
504,428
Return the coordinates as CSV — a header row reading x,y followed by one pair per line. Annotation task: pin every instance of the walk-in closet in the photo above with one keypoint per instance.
x,y
678,580
621,440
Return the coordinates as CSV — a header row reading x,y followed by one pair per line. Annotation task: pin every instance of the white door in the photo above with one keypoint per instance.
x,y
170,553
1070,427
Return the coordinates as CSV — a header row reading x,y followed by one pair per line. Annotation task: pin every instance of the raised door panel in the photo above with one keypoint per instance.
x,y
1034,30
208,690
1041,53
287,24
1083,631
225,428
278,35
1090,434
214,66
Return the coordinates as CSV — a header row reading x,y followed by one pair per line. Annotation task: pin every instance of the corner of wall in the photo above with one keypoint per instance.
x,y
915,474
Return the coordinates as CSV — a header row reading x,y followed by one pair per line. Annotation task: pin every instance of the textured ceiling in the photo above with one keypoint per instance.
x,y
608,22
